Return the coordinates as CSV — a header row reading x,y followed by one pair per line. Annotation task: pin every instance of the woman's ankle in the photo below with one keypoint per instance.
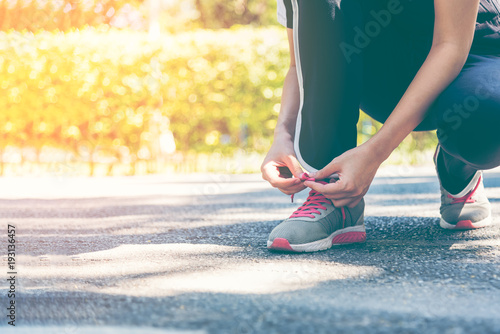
x,y
453,173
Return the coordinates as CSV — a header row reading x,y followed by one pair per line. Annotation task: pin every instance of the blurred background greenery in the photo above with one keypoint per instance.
x,y
126,87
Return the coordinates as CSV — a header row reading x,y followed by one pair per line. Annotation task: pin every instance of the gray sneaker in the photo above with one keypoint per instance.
x,y
469,209
317,225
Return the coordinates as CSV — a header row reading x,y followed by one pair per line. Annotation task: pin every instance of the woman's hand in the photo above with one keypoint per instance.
x,y
356,169
281,168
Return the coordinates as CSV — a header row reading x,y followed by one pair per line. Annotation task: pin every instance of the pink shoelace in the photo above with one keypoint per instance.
x,y
314,201
467,198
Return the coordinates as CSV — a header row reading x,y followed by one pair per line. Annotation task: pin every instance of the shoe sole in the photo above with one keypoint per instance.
x,y
349,235
465,224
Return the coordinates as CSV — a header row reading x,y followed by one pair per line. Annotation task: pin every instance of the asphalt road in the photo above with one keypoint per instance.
x,y
186,254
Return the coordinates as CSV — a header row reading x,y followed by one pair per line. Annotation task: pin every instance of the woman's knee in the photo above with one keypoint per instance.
x,y
468,117
471,131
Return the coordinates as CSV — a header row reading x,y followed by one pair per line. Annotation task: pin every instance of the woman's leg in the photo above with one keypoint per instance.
x,y
353,53
330,85
329,81
467,115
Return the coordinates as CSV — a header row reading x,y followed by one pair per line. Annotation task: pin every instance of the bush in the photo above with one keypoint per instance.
x,y
115,93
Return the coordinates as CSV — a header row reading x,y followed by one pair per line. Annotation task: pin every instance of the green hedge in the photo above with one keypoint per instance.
x,y
117,91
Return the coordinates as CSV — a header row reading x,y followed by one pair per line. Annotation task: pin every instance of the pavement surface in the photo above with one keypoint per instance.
x,y
187,254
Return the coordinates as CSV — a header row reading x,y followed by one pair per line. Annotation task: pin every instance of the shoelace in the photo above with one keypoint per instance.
x,y
305,177
467,198
314,201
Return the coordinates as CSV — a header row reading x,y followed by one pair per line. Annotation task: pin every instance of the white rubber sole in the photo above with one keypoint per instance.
x,y
353,234
465,224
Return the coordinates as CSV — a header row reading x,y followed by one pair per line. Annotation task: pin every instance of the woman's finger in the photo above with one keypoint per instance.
x,y
293,189
331,189
271,173
325,173
294,166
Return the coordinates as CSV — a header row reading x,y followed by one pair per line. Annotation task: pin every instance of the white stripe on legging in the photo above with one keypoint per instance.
x,y
298,124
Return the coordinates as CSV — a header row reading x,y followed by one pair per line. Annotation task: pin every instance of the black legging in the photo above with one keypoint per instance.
x,y
365,53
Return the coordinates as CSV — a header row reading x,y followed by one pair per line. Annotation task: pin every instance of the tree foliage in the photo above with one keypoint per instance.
x,y
114,94
224,14
60,15
174,16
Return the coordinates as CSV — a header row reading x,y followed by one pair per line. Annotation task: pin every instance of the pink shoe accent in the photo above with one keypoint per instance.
x,y
281,244
464,225
467,198
349,238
